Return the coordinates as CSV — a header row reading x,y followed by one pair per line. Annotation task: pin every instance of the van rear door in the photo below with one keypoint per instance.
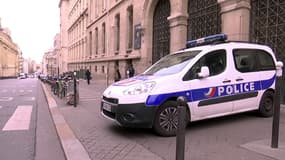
x,y
255,72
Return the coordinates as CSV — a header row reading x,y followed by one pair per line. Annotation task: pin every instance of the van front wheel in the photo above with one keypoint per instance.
x,y
266,104
166,119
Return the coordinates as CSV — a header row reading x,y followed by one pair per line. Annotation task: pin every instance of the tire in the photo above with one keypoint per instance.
x,y
166,119
266,104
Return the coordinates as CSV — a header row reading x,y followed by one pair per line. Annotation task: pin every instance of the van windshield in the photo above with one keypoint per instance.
x,y
171,64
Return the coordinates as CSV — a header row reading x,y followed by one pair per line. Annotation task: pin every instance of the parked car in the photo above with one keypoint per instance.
x,y
22,76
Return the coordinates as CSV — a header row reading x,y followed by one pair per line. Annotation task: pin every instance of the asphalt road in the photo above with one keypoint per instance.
x,y
27,131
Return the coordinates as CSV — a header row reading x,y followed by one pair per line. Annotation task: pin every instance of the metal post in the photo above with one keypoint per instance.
x,y
74,103
276,115
276,110
180,134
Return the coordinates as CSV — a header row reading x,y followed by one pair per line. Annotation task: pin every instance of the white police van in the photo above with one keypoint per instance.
x,y
216,77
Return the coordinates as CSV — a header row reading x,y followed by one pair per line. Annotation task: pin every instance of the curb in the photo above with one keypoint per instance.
x,y
72,147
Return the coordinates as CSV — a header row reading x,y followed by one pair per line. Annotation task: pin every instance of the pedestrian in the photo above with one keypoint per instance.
x,y
117,76
88,76
130,71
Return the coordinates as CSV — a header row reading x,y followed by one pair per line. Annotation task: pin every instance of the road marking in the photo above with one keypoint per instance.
x,y
4,90
30,91
21,90
20,120
0,107
6,99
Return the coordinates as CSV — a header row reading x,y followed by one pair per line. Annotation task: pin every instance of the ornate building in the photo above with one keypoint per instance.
x,y
9,55
123,32
120,32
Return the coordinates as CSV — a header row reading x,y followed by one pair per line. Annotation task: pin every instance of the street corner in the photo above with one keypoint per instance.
x,y
264,147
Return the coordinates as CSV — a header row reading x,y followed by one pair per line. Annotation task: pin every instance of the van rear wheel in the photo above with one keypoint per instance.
x,y
266,104
166,119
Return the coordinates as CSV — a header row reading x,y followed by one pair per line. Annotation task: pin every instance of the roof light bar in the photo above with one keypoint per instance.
x,y
207,40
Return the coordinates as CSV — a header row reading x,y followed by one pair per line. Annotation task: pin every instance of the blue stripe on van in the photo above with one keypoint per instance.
x,y
212,92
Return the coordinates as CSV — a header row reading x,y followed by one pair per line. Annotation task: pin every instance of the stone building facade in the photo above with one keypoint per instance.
x,y
21,63
56,50
63,40
50,66
9,55
77,20
120,32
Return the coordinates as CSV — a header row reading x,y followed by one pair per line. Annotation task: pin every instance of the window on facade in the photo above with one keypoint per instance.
x,y
251,60
83,27
96,6
130,27
103,38
204,18
96,69
103,5
96,41
90,10
117,24
103,69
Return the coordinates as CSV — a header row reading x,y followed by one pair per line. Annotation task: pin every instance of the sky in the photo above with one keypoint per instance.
x,y
33,25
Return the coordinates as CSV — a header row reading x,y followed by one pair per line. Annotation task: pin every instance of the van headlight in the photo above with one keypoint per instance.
x,y
139,89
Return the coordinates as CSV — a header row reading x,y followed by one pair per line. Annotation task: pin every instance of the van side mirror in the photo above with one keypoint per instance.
x,y
204,72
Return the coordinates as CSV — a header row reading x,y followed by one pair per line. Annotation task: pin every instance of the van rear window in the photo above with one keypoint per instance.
x,y
253,60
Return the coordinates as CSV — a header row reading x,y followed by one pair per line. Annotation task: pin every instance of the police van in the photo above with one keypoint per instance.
x,y
216,77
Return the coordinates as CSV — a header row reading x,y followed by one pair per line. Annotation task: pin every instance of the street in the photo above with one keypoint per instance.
x,y
27,130
117,79
213,139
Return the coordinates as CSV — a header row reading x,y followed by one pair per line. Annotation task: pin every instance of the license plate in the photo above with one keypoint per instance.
x,y
107,107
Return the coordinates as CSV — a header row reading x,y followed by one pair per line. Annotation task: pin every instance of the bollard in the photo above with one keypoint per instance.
x,y
276,115
74,103
180,134
276,110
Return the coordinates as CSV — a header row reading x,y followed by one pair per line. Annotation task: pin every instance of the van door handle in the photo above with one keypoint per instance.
x,y
226,81
239,79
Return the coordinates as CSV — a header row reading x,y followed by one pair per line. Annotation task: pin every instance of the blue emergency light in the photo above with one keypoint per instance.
x,y
207,40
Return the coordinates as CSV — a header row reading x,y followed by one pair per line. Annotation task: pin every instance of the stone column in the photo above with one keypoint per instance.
x,y
178,24
178,31
235,16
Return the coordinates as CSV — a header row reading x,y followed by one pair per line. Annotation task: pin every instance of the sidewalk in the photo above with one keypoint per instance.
x,y
98,144
84,136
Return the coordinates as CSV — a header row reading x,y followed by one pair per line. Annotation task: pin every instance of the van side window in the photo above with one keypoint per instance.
x,y
216,61
252,60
